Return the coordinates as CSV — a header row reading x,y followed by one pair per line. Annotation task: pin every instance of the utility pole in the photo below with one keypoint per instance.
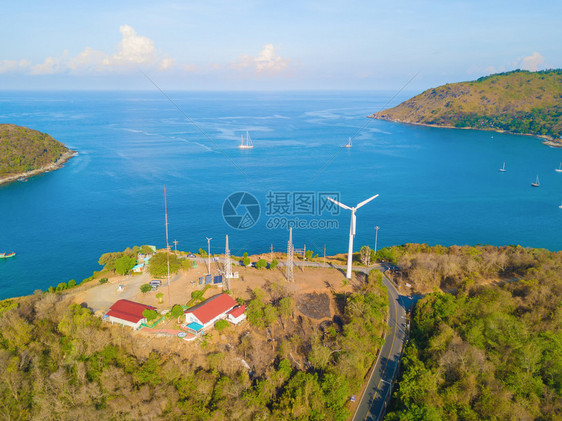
x,y
227,266
176,245
290,275
209,252
376,237
167,244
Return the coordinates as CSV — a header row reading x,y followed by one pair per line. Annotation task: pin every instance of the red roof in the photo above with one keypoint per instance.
x,y
213,307
237,311
128,310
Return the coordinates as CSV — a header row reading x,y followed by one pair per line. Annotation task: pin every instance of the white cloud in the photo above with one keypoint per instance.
x,y
166,63
132,49
87,60
10,66
50,66
532,62
267,61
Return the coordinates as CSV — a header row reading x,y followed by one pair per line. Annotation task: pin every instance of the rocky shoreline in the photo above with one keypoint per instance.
x,y
51,167
548,140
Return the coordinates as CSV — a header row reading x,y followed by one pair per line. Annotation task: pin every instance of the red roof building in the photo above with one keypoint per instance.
x,y
237,314
210,310
128,313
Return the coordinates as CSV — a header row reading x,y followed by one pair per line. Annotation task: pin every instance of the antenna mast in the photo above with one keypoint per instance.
x,y
227,265
167,245
290,276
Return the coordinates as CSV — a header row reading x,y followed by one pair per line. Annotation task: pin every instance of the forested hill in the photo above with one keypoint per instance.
x,y
518,102
23,149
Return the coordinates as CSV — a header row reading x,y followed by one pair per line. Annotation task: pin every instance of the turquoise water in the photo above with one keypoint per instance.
x,y
438,186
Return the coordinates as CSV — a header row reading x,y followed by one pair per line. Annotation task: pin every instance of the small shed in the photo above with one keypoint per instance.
x,y
237,314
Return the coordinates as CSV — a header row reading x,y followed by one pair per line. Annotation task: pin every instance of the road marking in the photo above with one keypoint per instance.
x,y
386,362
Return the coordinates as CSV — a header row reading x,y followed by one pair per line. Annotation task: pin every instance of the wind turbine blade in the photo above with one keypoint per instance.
x,y
364,202
339,204
353,223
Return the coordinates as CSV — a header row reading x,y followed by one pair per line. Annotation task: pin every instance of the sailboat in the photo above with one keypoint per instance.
x,y
559,169
348,144
536,183
246,144
502,169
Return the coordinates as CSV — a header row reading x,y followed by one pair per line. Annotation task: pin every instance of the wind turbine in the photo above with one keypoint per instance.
x,y
351,229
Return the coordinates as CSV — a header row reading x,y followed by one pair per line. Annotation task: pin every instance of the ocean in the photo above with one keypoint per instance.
x,y
436,186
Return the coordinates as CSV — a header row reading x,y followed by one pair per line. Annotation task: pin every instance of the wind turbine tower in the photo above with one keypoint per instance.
x,y
227,266
351,229
290,275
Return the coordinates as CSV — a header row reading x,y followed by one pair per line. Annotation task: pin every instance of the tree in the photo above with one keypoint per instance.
x,y
158,266
286,307
176,311
365,255
104,281
221,325
71,283
246,261
62,286
261,264
145,288
202,253
197,295
308,255
124,264
150,314
273,264
160,297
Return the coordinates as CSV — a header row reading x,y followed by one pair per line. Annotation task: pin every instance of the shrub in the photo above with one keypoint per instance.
x,y
145,288
160,297
71,283
150,314
273,264
246,261
176,311
61,286
221,325
104,281
197,294
261,264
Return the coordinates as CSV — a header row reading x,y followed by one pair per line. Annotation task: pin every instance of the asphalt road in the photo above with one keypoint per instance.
x,y
379,387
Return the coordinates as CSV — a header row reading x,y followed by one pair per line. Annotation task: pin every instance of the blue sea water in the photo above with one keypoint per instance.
x,y
436,186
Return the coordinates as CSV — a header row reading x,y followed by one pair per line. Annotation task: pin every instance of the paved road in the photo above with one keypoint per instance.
x,y
379,386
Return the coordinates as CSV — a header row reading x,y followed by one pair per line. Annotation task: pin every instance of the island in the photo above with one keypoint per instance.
x,y
26,152
519,102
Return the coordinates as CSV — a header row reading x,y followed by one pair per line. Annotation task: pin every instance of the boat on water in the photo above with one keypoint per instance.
x,y
536,183
559,169
502,169
348,144
7,255
246,144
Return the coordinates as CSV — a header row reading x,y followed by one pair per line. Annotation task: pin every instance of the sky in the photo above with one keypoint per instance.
x,y
270,45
